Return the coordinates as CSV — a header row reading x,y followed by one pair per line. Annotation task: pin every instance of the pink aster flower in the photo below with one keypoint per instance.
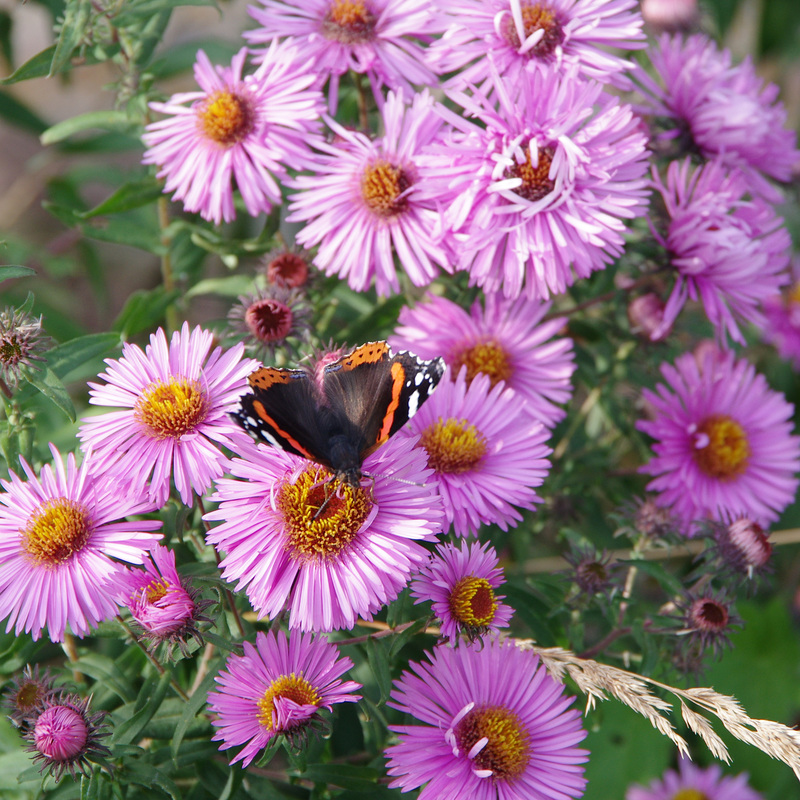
x,y
362,204
460,583
59,536
162,604
331,552
723,447
724,111
538,194
494,725
518,37
486,449
504,339
694,781
277,688
730,250
175,399
242,130
782,318
380,38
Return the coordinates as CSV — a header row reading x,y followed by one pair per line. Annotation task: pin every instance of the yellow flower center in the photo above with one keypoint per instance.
x,y
226,118
292,687
794,293
349,22
322,516
472,602
690,794
488,358
171,410
381,186
535,17
156,589
453,445
535,181
56,531
507,752
725,456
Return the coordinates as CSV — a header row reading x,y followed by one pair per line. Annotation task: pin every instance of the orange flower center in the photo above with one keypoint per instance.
x,y
487,357
322,516
472,602
292,687
349,22
56,531
170,410
507,751
726,454
382,185
226,118
535,17
453,445
535,181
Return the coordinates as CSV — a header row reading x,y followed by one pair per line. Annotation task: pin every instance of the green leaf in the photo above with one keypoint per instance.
x,y
69,356
77,14
347,776
15,271
232,286
36,67
131,195
222,643
104,120
144,311
106,672
20,115
49,384
137,10
191,710
149,701
378,657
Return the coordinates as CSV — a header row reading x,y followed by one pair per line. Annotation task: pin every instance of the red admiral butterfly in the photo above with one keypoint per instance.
x,y
361,400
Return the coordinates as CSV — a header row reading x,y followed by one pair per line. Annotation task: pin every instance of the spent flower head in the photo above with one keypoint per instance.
x,y
22,340
28,696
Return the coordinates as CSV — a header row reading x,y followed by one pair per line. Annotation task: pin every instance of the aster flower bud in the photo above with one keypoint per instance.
x,y
66,737
286,268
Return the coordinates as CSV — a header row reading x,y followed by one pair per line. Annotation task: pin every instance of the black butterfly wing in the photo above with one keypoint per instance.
x,y
283,410
378,391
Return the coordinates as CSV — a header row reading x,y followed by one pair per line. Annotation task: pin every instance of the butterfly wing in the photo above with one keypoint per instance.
x,y
283,410
378,391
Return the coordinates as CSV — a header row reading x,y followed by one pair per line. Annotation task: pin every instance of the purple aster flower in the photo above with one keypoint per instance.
x,y
58,536
486,449
504,339
330,551
518,37
723,447
379,38
362,203
66,736
723,111
460,583
692,781
242,130
538,194
782,318
494,725
277,688
730,251
175,399
163,605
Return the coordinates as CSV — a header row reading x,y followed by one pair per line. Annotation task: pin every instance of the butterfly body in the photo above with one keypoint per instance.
x,y
338,418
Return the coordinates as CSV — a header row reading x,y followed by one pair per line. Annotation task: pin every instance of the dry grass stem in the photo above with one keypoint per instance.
x,y
599,681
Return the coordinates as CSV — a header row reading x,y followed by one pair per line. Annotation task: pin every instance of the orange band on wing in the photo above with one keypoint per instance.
x,y
398,376
262,412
